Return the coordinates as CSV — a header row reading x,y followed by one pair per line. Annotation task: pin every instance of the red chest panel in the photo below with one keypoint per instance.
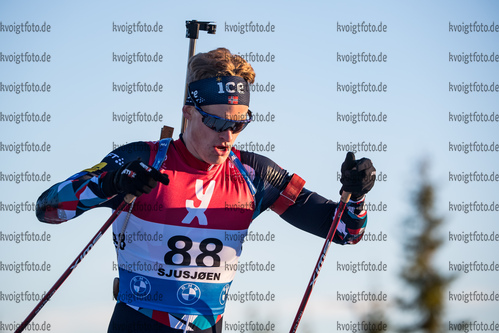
x,y
198,197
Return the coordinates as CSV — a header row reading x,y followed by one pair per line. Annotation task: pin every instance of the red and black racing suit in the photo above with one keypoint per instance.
x,y
202,217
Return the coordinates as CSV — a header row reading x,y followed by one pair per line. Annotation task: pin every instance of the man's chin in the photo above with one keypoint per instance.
x,y
220,159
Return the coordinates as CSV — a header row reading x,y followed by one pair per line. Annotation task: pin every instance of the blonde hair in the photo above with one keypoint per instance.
x,y
219,62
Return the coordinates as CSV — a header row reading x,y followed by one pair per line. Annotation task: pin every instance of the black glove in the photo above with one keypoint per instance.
x,y
135,178
357,176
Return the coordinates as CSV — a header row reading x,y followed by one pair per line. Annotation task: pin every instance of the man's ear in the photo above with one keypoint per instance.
x,y
187,111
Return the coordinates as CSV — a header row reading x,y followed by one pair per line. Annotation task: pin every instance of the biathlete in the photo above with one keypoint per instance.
x,y
201,190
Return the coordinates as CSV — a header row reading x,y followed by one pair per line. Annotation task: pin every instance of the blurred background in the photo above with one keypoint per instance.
x,y
417,221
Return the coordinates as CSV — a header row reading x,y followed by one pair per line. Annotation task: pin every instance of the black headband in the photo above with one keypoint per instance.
x,y
232,90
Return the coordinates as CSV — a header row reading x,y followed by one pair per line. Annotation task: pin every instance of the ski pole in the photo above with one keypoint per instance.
x,y
128,198
192,32
345,196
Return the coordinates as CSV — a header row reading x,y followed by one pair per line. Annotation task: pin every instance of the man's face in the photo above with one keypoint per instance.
x,y
206,144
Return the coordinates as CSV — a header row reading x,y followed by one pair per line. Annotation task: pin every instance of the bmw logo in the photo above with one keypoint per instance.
x,y
188,293
140,286
223,294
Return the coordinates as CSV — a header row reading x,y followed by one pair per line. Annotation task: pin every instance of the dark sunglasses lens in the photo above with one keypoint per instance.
x,y
210,122
213,123
238,127
221,125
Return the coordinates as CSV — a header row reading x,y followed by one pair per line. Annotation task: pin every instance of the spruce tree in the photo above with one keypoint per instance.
x,y
427,285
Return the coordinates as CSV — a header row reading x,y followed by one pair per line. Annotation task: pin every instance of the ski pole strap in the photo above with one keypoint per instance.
x,y
288,195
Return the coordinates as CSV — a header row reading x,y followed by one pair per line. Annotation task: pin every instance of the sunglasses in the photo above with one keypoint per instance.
x,y
219,124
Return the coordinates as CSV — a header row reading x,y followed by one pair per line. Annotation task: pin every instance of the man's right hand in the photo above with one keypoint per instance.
x,y
134,178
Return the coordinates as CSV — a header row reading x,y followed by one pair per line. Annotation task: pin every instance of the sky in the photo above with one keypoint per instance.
x,y
307,72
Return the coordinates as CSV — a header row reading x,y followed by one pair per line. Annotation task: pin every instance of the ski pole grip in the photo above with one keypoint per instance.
x,y
345,196
129,198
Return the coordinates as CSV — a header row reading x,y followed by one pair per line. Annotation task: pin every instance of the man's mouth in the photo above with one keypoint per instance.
x,y
222,148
